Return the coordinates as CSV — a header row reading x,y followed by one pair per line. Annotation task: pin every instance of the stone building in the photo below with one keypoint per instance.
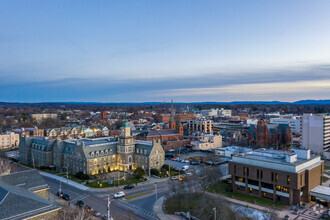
x,y
93,156
269,135
23,195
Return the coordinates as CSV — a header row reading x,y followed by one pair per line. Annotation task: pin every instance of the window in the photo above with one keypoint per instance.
x,y
276,177
301,177
235,169
258,174
244,170
288,179
247,171
272,176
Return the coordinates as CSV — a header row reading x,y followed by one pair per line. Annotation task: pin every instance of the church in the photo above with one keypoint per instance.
x,y
93,155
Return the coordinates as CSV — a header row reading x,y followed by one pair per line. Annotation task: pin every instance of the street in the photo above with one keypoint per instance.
x,y
139,207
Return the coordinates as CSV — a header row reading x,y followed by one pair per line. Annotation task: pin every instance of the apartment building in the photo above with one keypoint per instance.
x,y
9,140
292,121
42,116
281,176
316,132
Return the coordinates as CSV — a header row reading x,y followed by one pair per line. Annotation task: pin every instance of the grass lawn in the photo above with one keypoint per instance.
x,y
137,195
71,177
225,189
115,183
324,179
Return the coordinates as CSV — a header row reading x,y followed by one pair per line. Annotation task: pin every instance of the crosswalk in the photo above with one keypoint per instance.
x,y
79,198
137,210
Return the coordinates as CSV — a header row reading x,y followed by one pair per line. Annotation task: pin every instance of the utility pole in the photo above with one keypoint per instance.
x,y
156,191
108,208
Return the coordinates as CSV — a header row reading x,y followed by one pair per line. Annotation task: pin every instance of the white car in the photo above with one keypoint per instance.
x,y
119,194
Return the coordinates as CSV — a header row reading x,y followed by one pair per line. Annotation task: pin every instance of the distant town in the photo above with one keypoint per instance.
x,y
164,161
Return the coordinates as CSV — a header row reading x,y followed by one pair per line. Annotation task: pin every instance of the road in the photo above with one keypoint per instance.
x,y
139,207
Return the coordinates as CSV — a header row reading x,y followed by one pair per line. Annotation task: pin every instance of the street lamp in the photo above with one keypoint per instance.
x,y
215,213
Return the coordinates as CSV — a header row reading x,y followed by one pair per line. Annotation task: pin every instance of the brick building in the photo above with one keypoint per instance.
x,y
287,177
269,135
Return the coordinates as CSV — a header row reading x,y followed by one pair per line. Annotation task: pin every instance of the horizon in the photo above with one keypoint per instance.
x,y
145,51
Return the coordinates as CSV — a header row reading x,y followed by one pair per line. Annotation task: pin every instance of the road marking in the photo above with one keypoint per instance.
x,y
80,198
137,210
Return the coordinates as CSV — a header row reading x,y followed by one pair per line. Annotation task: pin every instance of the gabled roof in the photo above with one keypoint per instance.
x,y
159,132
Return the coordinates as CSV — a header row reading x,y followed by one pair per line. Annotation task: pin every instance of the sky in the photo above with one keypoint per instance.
x,y
156,50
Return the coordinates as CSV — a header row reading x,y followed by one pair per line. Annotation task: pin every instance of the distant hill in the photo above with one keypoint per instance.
x,y
301,102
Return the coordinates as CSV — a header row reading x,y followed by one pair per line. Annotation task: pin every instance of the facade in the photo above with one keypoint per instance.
x,y
315,132
286,177
93,156
200,125
9,140
207,142
23,195
269,135
42,116
216,112
29,132
292,121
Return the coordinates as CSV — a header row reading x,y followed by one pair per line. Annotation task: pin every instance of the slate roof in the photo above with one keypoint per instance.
x,y
17,202
30,180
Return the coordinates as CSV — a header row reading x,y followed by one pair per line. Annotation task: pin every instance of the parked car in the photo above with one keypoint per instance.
x,y
59,193
119,194
178,159
186,161
80,203
193,163
188,174
96,213
88,208
185,167
173,159
66,196
105,216
130,186
174,177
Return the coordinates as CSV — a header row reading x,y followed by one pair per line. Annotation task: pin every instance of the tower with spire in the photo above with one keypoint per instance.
x,y
172,122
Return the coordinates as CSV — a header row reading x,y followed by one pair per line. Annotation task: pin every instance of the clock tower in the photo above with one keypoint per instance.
x,y
126,148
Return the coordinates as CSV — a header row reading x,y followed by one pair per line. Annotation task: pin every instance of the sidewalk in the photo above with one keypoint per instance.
x,y
66,181
158,209
86,188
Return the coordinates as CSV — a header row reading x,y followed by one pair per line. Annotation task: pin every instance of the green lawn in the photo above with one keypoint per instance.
x,y
137,195
115,183
225,189
324,179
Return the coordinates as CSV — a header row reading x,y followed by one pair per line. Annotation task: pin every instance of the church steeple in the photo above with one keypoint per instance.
x,y
172,122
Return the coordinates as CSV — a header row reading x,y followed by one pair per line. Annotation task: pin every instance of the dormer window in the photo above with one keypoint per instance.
x,y
92,154
97,153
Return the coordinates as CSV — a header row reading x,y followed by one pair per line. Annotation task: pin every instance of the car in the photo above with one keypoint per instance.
x,y
186,161
188,174
193,163
119,194
184,168
105,216
174,177
178,159
130,186
59,193
88,208
80,203
96,213
173,159
66,196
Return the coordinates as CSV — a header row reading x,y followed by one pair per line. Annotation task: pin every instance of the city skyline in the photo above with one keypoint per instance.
x,y
145,51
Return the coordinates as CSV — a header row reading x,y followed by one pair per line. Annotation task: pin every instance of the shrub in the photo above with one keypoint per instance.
x,y
79,174
84,176
139,172
154,172
166,167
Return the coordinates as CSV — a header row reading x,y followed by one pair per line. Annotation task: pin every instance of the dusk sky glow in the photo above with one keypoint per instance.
x,y
143,51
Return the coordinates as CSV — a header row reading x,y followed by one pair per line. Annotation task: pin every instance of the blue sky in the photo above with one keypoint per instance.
x,y
187,50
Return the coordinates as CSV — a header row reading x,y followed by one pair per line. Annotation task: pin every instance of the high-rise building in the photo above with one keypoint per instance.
x,y
315,130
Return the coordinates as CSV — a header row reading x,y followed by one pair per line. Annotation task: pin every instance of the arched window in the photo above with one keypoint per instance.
x,y
130,159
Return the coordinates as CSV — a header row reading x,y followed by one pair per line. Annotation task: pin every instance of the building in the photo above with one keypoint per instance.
x,y
231,151
93,156
200,125
29,132
23,195
207,142
315,132
269,135
292,121
286,177
216,112
42,116
9,140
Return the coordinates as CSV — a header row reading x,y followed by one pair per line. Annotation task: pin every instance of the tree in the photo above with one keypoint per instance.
x,y
139,172
154,172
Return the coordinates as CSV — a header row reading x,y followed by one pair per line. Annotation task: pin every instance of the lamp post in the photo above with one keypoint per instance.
x,y
215,213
